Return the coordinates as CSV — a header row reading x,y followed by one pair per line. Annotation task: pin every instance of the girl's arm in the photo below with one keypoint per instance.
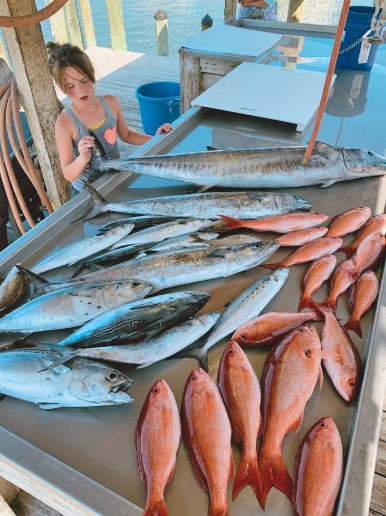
x,y
72,168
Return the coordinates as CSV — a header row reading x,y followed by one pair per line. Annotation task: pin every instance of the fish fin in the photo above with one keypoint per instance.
x,y
232,468
197,353
247,473
60,361
78,269
321,377
272,266
210,148
303,303
330,303
94,193
274,473
49,406
255,196
231,223
260,430
145,364
138,449
295,427
155,508
329,182
348,251
354,325
31,276
204,188
97,209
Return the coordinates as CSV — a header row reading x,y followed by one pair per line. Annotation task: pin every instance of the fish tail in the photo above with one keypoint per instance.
x,y
348,250
155,508
272,266
97,209
355,325
198,353
303,303
96,196
273,474
231,223
31,276
330,303
247,473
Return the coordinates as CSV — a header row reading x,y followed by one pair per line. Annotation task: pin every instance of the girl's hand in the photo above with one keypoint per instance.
x,y
84,147
165,127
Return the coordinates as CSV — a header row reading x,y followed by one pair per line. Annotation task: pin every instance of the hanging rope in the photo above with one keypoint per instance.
x,y
327,83
34,18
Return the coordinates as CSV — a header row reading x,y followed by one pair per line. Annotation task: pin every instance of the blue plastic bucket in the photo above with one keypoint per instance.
x,y
357,24
159,102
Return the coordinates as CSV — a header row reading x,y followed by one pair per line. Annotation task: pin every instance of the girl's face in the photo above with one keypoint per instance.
x,y
80,88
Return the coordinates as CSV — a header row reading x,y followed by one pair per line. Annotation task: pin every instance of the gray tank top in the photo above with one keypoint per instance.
x,y
106,144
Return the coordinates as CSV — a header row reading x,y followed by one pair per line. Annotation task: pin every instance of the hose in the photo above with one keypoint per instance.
x,y
34,18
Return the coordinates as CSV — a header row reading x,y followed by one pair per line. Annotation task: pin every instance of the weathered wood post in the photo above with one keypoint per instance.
x,y
117,28
206,22
88,27
189,79
161,24
295,11
230,11
59,26
29,61
73,23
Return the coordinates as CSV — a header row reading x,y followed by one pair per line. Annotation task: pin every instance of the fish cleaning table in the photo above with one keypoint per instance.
x,y
82,461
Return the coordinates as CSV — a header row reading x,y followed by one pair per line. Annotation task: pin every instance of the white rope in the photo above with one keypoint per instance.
x,y
5,509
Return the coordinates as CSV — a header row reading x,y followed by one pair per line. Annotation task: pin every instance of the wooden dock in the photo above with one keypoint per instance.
x,y
119,73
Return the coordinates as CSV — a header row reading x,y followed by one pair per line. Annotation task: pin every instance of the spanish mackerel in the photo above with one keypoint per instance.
x,y
152,350
244,205
274,167
82,249
166,270
72,307
241,310
81,383
141,222
138,320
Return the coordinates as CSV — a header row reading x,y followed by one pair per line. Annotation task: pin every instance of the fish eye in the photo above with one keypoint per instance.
x,y
243,336
352,383
193,377
135,283
231,351
112,375
370,153
155,390
323,425
301,329
307,352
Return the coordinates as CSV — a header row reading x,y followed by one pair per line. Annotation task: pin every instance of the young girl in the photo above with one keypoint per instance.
x,y
87,115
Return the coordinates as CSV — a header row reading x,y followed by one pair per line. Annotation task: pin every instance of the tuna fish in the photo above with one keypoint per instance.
x,y
26,374
275,167
157,438
318,470
247,205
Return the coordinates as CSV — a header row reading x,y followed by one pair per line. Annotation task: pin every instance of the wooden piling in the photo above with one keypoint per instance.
x,y
206,22
230,10
189,79
88,27
36,88
117,28
295,11
59,26
73,24
161,24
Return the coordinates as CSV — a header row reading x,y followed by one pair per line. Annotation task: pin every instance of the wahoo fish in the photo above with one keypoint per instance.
x,y
166,270
275,167
137,320
82,249
26,374
72,307
246,205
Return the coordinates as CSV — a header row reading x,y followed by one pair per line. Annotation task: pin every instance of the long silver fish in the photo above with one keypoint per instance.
x,y
83,249
72,307
166,270
138,320
81,383
141,222
242,205
12,288
275,167
203,239
167,230
151,350
241,310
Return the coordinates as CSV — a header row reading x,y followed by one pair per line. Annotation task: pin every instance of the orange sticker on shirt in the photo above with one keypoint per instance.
x,y
111,135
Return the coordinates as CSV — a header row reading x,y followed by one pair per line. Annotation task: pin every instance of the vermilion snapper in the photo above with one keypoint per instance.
x,y
309,252
318,470
344,276
278,223
317,273
157,438
301,236
375,224
370,252
240,390
269,328
348,222
207,434
362,295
